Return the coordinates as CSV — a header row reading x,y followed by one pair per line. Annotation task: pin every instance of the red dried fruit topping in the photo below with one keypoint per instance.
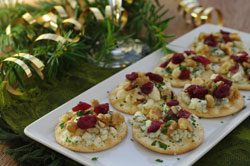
x,y
201,59
222,91
178,58
172,103
240,59
235,69
196,91
190,52
86,122
185,74
154,77
225,36
132,76
155,125
210,41
220,78
183,114
101,108
164,65
147,88
81,106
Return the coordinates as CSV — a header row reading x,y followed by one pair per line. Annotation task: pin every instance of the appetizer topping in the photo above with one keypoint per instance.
x,y
220,78
147,88
222,91
177,58
189,52
171,116
88,121
240,57
201,59
235,69
155,125
172,103
132,76
165,63
185,124
101,108
225,36
116,119
81,106
210,41
183,114
196,91
154,77
155,113
185,74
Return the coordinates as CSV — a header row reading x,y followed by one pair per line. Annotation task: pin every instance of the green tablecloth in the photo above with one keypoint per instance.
x,y
44,96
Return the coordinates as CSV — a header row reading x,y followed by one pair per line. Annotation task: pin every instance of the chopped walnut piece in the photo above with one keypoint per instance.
x,y
116,119
234,93
71,126
227,47
104,118
154,113
198,81
202,36
94,102
131,86
246,65
235,36
210,100
225,67
173,125
204,50
142,80
93,130
184,124
191,63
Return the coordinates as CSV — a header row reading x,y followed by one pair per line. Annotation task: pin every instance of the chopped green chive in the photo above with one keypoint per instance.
x,y
214,86
165,130
178,158
244,107
168,70
131,139
153,143
79,113
94,159
62,125
182,68
167,123
162,145
121,105
68,140
159,160
221,122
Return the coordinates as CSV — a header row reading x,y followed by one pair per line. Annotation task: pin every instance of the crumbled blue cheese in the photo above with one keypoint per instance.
x,y
221,102
76,139
160,71
213,76
196,72
217,52
198,104
237,77
148,104
185,98
155,94
176,72
113,131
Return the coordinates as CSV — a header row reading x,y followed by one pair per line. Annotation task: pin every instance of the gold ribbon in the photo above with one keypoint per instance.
x,y
50,36
60,10
198,14
49,19
36,64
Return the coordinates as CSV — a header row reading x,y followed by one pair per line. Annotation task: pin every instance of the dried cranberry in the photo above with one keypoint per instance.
x,y
201,59
220,78
147,88
190,52
154,77
165,63
171,116
132,76
155,125
183,114
81,106
172,103
225,36
235,69
178,58
196,91
210,41
184,74
101,108
222,91
86,122
239,59
224,32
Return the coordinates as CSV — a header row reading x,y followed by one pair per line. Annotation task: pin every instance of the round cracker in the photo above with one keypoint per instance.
x,y
109,142
177,83
244,86
215,112
177,148
117,103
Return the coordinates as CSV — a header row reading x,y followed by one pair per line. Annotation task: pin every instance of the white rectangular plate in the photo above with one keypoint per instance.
x,y
129,152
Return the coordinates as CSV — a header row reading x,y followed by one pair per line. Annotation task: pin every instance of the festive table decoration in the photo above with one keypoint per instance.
x,y
193,12
91,30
